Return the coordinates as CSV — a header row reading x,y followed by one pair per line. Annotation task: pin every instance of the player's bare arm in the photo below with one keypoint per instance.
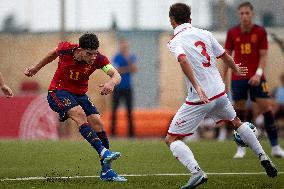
x,y
187,70
225,68
226,73
115,79
5,88
236,68
256,78
31,71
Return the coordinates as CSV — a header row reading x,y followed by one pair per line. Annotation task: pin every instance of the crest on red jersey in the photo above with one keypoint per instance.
x,y
66,102
253,38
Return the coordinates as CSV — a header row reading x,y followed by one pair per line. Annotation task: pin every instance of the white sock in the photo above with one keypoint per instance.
x,y
182,152
250,139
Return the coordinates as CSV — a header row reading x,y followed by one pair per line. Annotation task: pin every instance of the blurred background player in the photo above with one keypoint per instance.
x,y
279,98
67,93
196,50
125,63
249,43
7,91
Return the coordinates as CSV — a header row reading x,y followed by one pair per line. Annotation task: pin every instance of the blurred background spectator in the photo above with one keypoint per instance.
x,y
279,98
125,62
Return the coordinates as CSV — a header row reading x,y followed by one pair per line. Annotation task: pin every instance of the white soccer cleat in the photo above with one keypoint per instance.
x,y
195,180
241,152
277,152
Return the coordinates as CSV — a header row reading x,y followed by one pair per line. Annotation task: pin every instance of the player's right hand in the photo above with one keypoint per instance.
x,y
31,71
240,70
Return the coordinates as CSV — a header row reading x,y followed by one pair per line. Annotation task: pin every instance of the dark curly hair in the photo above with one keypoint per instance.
x,y
89,41
246,4
180,12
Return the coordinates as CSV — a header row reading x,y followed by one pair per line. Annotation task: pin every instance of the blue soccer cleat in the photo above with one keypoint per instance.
x,y
109,156
111,175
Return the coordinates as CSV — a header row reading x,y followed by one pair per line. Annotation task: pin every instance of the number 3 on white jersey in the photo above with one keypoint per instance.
x,y
204,53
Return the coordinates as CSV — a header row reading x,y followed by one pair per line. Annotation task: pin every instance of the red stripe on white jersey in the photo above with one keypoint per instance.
x,y
180,56
221,55
180,31
175,134
210,99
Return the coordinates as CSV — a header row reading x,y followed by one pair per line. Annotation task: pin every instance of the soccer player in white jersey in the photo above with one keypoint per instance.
x,y
196,50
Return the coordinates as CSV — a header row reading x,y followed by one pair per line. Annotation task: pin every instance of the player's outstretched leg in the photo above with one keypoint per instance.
x,y
250,139
90,135
182,152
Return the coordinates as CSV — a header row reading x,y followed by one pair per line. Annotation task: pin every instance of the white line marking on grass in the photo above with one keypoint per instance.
x,y
126,175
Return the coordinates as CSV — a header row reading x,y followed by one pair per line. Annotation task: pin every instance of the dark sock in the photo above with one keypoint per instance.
x,y
270,128
89,134
104,139
105,166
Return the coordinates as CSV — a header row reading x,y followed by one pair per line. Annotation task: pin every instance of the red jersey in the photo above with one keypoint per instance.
x,y
72,75
246,46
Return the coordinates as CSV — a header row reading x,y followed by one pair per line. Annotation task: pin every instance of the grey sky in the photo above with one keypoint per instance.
x,y
43,15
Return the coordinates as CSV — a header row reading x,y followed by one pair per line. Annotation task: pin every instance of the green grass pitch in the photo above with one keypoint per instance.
x,y
55,159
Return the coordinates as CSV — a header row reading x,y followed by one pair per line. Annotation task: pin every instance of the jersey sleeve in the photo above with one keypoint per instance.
x,y
229,41
103,61
176,48
218,50
65,48
263,40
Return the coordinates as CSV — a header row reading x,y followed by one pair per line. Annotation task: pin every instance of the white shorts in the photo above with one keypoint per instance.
x,y
188,117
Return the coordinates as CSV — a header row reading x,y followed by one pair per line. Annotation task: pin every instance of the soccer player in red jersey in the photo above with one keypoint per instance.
x,y
249,43
67,93
7,91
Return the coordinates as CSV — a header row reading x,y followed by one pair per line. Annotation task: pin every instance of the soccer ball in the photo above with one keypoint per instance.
x,y
238,139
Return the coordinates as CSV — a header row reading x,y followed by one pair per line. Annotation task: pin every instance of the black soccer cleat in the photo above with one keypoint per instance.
x,y
269,167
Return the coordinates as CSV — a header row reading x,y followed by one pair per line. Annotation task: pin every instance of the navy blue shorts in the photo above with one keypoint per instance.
x,y
62,101
241,89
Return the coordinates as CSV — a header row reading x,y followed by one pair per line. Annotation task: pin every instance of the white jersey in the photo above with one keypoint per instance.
x,y
202,50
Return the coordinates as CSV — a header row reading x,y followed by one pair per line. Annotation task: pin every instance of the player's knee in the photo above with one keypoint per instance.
x,y
78,115
234,124
170,139
95,122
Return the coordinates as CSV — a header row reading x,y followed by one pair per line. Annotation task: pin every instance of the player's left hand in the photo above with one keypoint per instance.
x,y
106,88
7,91
254,80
